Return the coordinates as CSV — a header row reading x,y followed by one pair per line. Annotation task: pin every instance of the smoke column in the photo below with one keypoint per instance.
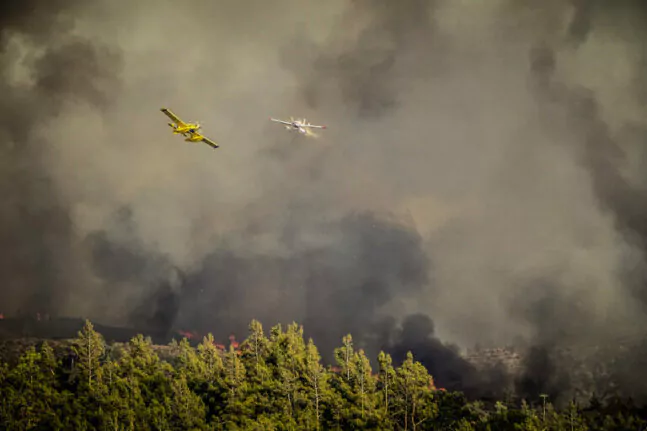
x,y
480,181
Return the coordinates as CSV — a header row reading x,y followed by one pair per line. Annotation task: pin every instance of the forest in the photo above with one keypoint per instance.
x,y
273,381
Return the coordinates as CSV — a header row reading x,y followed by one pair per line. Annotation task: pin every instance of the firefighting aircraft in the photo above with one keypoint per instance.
x,y
191,131
300,126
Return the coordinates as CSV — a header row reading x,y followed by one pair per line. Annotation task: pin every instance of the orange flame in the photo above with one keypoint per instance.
x,y
187,334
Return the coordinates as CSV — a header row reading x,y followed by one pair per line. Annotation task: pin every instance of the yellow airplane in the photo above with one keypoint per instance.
x,y
191,131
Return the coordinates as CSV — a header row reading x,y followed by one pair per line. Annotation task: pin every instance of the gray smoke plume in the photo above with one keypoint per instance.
x,y
463,192
578,334
38,264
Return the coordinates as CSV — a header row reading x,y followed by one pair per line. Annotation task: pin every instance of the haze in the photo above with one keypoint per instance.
x,y
482,167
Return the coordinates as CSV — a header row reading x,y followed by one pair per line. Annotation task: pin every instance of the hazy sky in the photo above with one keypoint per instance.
x,y
483,165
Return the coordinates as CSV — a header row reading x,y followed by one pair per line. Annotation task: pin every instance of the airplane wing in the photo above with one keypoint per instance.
x,y
209,142
314,127
280,121
173,117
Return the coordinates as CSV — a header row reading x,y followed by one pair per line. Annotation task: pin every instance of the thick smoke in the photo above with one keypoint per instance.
x,y
44,67
369,74
480,181
601,143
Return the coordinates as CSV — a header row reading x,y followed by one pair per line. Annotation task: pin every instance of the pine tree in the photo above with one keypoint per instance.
x,y
89,348
254,352
235,413
144,384
344,356
317,381
414,394
386,384
188,360
29,392
270,384
287,354
573,420
364,383
355,385
186,409
211,360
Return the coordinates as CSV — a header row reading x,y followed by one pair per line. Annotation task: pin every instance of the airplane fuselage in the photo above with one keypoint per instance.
x,y
296,126
188,128
300,125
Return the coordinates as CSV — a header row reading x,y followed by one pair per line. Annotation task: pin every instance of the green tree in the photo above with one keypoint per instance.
x,y
364,387
254,351
344,356
186,408
89,348
355,404
211,360
317,381
189,361
30,396
275,383
414,394
386,383
573,419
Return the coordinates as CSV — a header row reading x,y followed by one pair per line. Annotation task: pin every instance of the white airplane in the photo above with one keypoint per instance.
x,y
300,125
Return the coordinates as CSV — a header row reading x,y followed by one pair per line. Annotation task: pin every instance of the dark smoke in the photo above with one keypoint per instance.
x,y
36,234
303,249
124,264
580,25
444,362
337,287
562,321
341,286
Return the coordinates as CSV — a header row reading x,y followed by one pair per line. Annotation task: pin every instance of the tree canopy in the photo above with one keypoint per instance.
x,y
272,381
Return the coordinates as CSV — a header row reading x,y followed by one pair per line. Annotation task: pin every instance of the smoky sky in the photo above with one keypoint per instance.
x,y
480,181
36,229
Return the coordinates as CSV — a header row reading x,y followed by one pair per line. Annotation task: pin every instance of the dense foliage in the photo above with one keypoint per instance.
x,y
274,382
